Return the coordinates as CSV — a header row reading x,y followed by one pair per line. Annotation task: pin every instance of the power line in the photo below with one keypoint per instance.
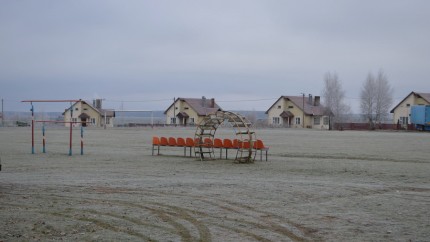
x,y
137,101
247,100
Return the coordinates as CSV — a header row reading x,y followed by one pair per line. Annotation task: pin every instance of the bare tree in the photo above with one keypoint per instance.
x,y
376,98
384,97
334,98
368,101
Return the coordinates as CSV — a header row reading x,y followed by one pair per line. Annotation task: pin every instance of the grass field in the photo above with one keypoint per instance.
x,y
316,186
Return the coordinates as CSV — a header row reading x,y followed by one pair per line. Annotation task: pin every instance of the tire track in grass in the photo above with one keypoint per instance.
x,y
165,215
170,217
97,222
173,214
270,227
169,213
110,227
131,220
275,227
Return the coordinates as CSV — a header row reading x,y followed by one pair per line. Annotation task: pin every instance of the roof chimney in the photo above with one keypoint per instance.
x,y
310,99
212,103
97,103
317,101
203,101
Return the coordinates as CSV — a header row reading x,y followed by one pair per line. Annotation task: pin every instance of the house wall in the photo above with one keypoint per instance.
x,y
321,124
182,106
275,111
109,121
404,108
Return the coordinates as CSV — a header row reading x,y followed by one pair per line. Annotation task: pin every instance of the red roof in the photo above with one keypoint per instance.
x,y
309,108
201,106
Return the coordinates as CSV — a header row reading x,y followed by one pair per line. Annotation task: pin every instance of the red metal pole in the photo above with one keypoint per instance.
x,y
82,140
71,118
70,143
43,133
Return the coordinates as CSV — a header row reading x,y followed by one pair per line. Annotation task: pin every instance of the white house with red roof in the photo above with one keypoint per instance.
x,y
298,112
86,114
189,111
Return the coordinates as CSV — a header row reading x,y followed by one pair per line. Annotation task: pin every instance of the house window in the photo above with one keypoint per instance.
x,y
276,120
290,107
279,106
404,120
297,120
326,120
408,105
85,109
173,120
108,121
93,121
186,108
176,108
192,120
317,120
76,109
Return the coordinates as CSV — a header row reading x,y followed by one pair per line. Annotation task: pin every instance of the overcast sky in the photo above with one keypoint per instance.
x,y
245,54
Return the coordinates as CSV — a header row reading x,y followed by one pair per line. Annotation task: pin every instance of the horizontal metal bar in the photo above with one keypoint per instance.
x,y
49,101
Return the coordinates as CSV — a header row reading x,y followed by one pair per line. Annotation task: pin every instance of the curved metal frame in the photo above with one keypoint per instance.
x,y
205,134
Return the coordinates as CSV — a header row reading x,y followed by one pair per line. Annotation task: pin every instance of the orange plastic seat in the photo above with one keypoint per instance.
x,y
218,144
164,141
181,143
259,145
227,144
244,144
171,141
236,144
189,142
155,144
207,142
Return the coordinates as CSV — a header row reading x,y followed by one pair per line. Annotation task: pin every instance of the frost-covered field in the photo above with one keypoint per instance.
x,y
317,185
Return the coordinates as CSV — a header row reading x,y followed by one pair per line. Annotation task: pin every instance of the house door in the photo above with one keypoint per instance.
x,y
84,122
286,122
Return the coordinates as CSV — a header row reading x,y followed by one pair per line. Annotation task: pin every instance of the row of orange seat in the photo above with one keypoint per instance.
x,y
218,143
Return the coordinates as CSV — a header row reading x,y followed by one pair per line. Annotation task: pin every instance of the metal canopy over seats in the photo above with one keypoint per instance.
x,y
205,135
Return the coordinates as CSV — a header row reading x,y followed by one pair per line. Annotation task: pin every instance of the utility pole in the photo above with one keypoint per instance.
x,y
303,121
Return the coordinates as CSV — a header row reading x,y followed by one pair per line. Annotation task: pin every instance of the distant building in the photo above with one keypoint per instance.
x,y
189,111
89,115
402,111
298,112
